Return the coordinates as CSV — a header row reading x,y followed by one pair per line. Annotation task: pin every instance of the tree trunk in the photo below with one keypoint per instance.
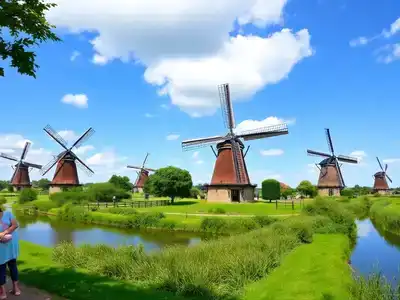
x,y
172,199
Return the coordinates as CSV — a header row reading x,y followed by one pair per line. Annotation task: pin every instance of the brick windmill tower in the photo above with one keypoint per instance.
x,y
66,174
142,175
20,178
330,181
230,181
380,183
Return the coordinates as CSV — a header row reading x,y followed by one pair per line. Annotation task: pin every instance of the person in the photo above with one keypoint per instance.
x,y
9,251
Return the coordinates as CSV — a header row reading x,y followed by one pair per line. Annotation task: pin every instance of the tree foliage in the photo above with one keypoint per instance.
x,y
122,182
43,184
105,192
27,195
169,182
307,189
288,192
24,25
4,184
270,189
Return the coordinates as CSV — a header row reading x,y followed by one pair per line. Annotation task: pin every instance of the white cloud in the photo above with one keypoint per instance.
x,y
271,152
185,45
359,154
388,53
78,100
147,115
394,28
361,41
391,160
108,158
12,141
172,137
196,158
255,124
195,154
68,135
84,149
75,55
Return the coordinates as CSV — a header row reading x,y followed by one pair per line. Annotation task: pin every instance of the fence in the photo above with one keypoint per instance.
x,y
289,203
133,204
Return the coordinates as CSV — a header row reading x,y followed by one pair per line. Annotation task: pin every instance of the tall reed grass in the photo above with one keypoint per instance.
x,y
386,213
374,287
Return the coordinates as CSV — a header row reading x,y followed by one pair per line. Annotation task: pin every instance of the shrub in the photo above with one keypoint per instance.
x,y
27,195
44,205
213,225
217,210
104,192
195,193
271,189
263,220
72,196
348,192
126,211
3,200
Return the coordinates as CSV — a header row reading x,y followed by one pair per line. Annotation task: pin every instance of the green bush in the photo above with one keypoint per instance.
x,y
263,220
43,205
348,192
217,210
27,195
271,189
3,200
104,192
213,225
72,196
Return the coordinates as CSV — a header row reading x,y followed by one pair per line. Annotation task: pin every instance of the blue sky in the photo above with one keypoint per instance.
x,y
151,70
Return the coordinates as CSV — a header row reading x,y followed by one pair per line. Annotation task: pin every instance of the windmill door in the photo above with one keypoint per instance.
x,y
235,196
330,192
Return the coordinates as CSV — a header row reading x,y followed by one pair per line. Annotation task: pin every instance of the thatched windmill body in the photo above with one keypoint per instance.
x,y
380,183
66,174
20,178
230,181
142,175
330,181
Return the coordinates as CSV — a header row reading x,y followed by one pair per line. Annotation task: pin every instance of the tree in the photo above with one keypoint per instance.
x,y
3,184
122,182
288,192
169,182
27,28
43,184
270,189
307,189
27,195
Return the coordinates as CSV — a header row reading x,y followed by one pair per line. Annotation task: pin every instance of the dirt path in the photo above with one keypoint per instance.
x,y
223,215
30,293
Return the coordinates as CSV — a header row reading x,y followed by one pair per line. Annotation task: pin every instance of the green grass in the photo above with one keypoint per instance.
x,y
314,271
386,213
38,269
203,207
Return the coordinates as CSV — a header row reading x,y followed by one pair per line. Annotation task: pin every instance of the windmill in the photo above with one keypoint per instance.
x,y
230,180
20,178
330,180
142,176
66,174
380,183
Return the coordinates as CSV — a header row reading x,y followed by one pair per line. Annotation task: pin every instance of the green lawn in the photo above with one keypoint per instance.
x,y
315,271
37,269
203,207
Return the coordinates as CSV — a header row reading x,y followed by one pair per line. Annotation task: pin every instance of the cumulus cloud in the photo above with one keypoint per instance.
x,y
185,46
78,100
172,137
84,149
388,53
68,135
12,141
255,124
108,158
271,152
359,154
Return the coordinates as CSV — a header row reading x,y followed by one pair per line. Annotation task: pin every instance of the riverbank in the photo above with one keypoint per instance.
x,y
386,213
210,270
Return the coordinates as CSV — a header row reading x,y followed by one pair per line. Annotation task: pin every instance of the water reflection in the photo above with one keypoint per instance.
x,y
376,250
49,232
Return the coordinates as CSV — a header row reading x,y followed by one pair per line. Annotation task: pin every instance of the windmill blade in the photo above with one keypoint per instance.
x,y
134,167
202,142
380,165
347,159
84,167
149,169
340,173
264,132
9,157
329,140
51,164
52,133
145,159
83,164
226,106
236,153
84,137
316,153
32,165
25,151
387,176
15,172
318,167
386,166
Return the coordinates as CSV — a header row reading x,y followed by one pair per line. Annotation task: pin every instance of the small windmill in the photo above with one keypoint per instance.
x,y
66,174
330,180
142,175
230,180
20,178
380,183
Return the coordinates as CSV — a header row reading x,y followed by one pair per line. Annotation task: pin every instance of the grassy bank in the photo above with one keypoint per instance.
x,y
311,272
386,213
